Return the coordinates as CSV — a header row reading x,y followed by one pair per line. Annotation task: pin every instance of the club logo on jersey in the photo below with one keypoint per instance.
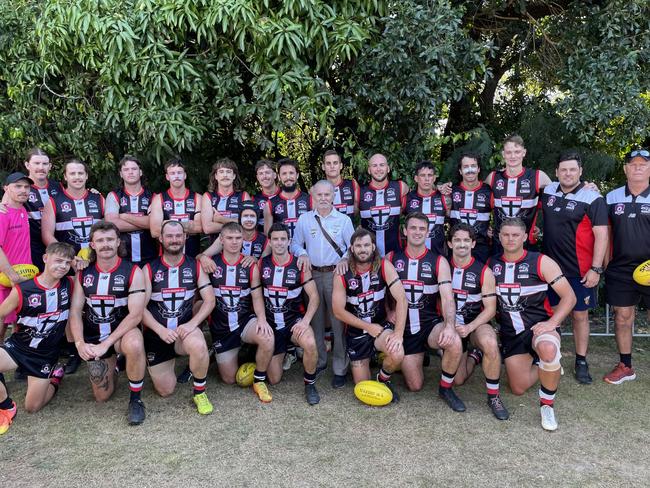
x,y
218,273
167,206
230,296
46,322
266,273
525,185
497,269
415,204
481,198
414,291
571,205
509,294
470,278
619,209
276,298
551,201
367,196
457,197
380,216
158,277
645,209
88,281
32,198
399,265
34,300
366,306
279,208
66,207
390,194
82,225
124,202
46,369
292,275
353,284
499,185
92,205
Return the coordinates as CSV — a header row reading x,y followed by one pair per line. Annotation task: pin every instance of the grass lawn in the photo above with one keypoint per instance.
x,y
602,438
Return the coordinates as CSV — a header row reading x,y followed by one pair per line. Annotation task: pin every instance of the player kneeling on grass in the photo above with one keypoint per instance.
x,y
529,326
359,301
42,305
283,284
107,305
173,282
476,304
239,312
425,277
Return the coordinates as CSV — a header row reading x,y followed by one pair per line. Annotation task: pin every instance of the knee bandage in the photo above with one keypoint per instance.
x,y
553,365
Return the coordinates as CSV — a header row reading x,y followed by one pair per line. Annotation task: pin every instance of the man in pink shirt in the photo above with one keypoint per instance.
x,y
14,236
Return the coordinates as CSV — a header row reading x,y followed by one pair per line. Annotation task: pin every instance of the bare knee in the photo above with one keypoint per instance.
x,y
414,384
32,406
165,390
518,390
103,396
546,351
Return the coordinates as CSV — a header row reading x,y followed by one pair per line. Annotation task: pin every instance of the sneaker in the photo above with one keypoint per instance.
x,y
203,405
7,417
58,372
73,364
311,394
289,359
452,400
476,355
498,408
620,374
262,392
19,374
338,381
136,413
185,376
392,390
582,373
548,418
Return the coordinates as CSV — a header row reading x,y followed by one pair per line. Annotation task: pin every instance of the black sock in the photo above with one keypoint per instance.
x,y
580,358
626,359
6,404
310,378
259,376
383,376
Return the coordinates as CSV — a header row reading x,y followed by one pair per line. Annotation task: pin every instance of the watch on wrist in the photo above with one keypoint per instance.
x,y
598,269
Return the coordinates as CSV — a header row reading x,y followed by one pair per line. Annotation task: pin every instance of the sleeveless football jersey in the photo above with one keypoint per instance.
x,y
474,208
183,210
380,210
435,209
419,276
283,300
365,297
232,290
287,210
227,205
42,316
261,199
255,247
38,198
173,289
75,217
107,298
516,196
467,283
139,244
521,293
344,195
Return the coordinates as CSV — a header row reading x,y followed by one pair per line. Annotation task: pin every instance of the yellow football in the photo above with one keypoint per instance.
x,y
642,273
84,253
25,270
244,376
373,393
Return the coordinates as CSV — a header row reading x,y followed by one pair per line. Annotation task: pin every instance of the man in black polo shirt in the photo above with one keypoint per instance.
x,y
629,219
575,236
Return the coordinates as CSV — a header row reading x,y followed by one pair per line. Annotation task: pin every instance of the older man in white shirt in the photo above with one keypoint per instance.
x,y
321,240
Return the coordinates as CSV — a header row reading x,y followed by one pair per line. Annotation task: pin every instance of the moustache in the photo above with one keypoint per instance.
x,y
470,171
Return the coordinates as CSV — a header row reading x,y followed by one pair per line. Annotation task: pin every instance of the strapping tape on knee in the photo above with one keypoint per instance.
x,y
555,364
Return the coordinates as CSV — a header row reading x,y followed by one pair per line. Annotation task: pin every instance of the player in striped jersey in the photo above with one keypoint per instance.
x,y
42,305
267,179
290,203
346,191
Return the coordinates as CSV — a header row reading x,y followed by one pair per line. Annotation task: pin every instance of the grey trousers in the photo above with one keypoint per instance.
x,y
324,316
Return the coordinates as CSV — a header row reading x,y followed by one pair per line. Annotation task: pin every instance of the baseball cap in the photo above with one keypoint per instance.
x,y
15,177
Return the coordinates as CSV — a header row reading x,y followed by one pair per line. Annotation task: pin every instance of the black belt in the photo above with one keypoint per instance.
x,y
323,269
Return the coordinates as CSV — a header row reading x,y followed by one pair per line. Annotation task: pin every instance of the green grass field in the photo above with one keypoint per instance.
x,y
602,438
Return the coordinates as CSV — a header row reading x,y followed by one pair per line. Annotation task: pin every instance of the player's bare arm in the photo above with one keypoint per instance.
x,y
553,276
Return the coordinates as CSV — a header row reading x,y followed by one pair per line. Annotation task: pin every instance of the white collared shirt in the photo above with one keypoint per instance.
x,y
308,238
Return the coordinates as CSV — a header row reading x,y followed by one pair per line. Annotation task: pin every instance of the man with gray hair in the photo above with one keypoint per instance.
x,y
321,240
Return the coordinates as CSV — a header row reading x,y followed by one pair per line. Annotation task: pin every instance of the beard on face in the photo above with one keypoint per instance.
x,y
365,260
288,188
173,252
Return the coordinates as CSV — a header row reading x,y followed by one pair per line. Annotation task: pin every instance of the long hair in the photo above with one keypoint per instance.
x,y
228,164
360,233
35,151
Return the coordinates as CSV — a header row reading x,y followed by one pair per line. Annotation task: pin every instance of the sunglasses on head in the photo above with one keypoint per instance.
x,y
644,153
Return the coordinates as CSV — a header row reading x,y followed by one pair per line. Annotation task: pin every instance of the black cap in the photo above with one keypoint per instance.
x,y
15,177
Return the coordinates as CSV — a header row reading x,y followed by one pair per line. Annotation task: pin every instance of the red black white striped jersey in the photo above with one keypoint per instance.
x,y
521,291
256,246
75,217
287,210
419,276
568,226
467,283
380,209
227,205
365,297
516,196
42,315
107,298
435,208
261,199
173,289
139,244
183,210
38,198
629,217
344,196
282,284
474,208
232,290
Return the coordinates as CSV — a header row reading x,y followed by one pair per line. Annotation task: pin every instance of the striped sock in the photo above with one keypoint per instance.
x,y
546,396
310,378
136,388
383,375
446,379
259,376
199,385
492,387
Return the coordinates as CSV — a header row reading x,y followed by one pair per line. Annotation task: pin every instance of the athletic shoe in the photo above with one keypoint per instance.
x,y
620,374
185,376
392,390
19,374
582,373
338,381
477,355
548,418
203,405
452,400
311,394
136,413
262,392
74,361
7,417
58,372
289,359
498,408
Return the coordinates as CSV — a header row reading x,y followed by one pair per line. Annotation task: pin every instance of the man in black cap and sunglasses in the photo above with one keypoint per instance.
x,y
629,220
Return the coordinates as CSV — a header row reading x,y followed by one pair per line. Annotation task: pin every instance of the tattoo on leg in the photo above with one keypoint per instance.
x,y
98,371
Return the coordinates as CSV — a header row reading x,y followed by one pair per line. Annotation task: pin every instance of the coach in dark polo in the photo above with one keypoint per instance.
x,y
321,240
